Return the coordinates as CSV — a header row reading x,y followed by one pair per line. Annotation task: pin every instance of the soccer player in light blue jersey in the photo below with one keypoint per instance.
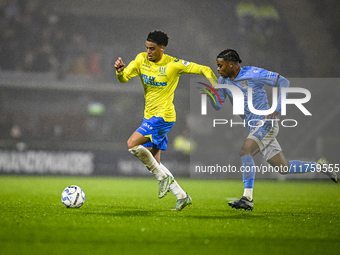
x,y
263,129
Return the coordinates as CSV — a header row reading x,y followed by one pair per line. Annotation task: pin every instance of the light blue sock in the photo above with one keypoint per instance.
x,y
297,166
248,171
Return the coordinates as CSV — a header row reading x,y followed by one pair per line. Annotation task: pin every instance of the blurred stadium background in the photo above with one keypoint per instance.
x,y
62,110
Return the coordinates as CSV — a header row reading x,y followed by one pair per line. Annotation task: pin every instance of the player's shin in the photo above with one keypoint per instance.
x,y
174,187
248,167
149,161
297,166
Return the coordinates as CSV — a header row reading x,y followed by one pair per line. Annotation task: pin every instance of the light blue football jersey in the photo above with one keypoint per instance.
x,y
255,78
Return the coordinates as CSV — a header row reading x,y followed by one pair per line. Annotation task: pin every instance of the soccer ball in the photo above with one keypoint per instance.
x,y
73,197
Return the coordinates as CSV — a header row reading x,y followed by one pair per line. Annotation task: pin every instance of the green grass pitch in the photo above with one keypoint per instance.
x,y
125,216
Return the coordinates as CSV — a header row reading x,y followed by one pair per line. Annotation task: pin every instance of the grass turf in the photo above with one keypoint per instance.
x,y
124,216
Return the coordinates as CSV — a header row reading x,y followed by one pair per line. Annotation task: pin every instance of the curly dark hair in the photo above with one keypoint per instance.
x,y
230,55
158,37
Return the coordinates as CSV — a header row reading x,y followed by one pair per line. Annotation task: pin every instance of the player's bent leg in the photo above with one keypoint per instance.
x,y
290,167
150,162
157,155
280,161
174,187
183,199
136,139
144,155
250,147
298,166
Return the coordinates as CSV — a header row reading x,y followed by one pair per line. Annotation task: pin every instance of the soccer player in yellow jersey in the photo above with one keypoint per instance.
x,y
159,74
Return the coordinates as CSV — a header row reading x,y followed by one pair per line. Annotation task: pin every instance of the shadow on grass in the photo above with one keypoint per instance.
x,y
127,212
131,211
225,217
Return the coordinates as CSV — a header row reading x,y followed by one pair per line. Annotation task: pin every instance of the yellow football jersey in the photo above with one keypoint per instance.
x,y
160,81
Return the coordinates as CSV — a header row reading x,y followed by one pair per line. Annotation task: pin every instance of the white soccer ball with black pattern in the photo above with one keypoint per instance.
x,y
73,196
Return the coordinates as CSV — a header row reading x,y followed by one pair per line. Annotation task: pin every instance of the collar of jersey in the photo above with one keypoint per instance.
x,y
238,71
161,61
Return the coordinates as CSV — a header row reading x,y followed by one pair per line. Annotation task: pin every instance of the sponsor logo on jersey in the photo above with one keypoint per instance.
x,y
186,63
150,80
162,69
245,84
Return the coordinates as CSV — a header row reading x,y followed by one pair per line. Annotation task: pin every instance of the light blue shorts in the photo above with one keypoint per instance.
x,y
264,134
156,129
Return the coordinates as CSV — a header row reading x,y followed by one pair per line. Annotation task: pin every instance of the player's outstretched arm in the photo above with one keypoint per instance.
x,y
193,68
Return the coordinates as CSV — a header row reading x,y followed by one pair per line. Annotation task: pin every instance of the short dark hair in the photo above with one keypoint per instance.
x,y
158,37
230,55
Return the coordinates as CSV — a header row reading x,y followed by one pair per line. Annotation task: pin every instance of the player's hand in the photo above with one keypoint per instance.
x,y
119,65
274,115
